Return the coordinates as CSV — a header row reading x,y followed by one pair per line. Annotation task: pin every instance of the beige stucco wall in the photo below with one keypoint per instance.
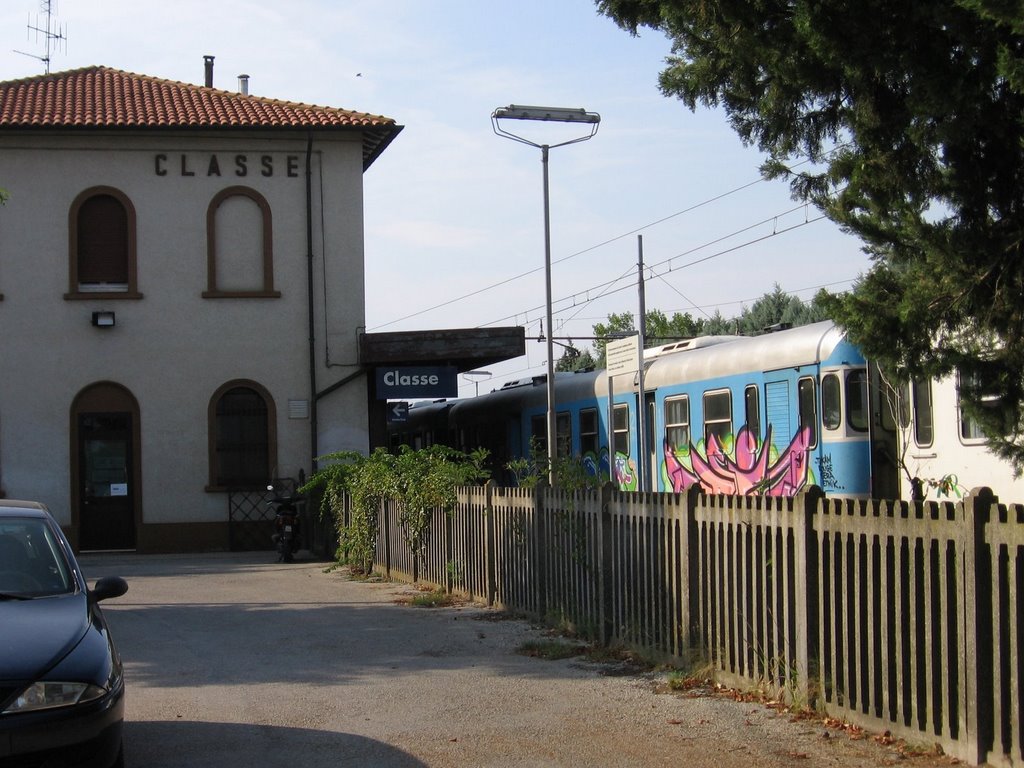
x,y
173,348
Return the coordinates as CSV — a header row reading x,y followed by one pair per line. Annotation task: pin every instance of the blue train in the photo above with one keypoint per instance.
x,y
769,414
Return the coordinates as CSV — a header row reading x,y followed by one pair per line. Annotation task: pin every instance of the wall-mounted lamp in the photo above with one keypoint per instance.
x,y
103,319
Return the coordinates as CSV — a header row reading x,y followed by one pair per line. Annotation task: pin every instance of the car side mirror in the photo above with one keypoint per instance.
x,y
108,587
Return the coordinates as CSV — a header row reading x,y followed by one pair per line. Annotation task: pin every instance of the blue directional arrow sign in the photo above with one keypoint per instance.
x,y
398,412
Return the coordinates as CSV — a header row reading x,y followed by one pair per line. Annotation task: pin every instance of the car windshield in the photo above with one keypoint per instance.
x,y
31,561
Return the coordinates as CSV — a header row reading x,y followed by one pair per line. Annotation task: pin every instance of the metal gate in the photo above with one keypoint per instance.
x,y
250,521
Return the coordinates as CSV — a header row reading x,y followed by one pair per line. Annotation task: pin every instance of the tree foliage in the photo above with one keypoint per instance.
x,y
570,472
573,359
912,115
772,309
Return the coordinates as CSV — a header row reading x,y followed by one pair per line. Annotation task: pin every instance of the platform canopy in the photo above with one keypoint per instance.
x,y
465,348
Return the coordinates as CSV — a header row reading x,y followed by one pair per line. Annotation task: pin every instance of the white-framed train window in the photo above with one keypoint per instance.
x,y
808,408
924,429
677,421
831,402
589,438
752,409
620,428
717,415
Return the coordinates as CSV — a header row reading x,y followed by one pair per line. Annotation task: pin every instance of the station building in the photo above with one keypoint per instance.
x,y
181,295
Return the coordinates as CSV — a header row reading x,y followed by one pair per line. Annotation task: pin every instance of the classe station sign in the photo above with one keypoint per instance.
x,y
406,382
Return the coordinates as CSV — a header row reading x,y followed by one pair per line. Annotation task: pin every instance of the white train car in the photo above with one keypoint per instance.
x,y
942,450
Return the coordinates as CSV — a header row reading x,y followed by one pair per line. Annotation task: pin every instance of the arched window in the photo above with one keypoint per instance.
x,y
239,246
243,436
101,245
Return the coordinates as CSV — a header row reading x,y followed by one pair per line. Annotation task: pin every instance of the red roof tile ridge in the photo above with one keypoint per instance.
x,y
100,97
198,90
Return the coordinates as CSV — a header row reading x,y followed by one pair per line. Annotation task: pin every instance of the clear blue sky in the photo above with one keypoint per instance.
x,y
451,208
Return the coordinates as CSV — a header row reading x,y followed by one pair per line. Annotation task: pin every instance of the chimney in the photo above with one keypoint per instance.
x,y
209,71
243,85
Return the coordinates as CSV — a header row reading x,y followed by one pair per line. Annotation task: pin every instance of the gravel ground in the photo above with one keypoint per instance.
x,y
233,660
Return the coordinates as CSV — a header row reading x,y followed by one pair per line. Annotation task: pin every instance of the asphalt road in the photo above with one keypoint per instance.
x,y
234,660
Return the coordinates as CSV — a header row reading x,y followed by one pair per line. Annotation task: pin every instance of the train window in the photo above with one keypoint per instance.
x,y
563,434
717,416
831,402
969,428
893,409
808,409
752,409
858,411
588,431
677,421
924,431
539,434
620,425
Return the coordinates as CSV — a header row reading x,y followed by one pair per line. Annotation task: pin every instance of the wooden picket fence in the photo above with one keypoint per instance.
x,y
895,616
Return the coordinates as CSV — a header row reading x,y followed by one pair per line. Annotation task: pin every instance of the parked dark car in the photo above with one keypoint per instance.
x,y
61,682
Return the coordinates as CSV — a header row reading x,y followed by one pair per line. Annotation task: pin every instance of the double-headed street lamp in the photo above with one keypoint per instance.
x,y
555,115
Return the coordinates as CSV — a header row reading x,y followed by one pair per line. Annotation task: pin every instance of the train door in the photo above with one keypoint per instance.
x,y
887,414
778,413
622,467
652,470
791,413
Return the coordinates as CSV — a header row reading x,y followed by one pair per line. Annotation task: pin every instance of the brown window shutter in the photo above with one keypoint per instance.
x,y
102,241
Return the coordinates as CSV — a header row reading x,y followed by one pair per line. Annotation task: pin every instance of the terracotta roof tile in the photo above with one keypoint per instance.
x,y
100,97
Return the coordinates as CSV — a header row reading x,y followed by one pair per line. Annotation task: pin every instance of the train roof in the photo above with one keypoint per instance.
x,y
805,345
693,360
523,393
685,345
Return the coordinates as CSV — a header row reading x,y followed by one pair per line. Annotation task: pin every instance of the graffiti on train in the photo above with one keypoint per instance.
x,y
742,468
625,474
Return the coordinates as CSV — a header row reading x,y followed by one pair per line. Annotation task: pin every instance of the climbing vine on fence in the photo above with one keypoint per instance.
x,y
420,482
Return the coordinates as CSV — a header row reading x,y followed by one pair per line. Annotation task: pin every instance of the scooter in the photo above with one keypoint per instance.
x,y
286,526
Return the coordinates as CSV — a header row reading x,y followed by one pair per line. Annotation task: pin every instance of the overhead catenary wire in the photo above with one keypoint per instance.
x,y
636,230
607,290
563,259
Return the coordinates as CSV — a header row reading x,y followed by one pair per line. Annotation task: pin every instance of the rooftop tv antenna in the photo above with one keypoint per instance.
x,y
54,35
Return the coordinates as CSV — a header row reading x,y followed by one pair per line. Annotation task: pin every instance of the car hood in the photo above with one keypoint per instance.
x,y
36,634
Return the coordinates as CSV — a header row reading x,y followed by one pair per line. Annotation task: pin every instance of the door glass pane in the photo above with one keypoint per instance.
x,y
923,433
831,402
808,409
752,410
106,468
858,412
563,435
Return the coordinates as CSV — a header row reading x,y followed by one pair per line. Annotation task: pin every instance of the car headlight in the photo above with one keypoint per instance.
x,y
47,695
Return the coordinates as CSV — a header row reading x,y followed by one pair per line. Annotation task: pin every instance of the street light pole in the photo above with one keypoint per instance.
x,y
559,115
552,419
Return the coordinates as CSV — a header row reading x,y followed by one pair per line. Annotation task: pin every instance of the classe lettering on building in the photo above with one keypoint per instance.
x,y
239,165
